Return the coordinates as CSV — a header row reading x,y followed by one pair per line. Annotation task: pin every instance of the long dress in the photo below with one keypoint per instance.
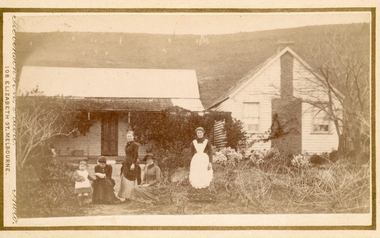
x,y
82,182
104,187
200,176
129,178
152,193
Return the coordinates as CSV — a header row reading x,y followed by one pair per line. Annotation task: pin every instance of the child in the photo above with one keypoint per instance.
x,y
82,183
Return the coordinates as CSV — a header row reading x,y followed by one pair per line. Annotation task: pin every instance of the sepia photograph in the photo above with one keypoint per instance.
x,y
189,119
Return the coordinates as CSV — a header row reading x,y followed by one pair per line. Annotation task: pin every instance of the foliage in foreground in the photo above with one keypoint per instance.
x,y
45,189
171,132
242,186
272,184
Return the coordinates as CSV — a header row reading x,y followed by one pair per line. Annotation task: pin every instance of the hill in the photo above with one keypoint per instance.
x,y
219,60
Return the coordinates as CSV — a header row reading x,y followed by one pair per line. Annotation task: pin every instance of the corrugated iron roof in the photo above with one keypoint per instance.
x,y
110,82
117,88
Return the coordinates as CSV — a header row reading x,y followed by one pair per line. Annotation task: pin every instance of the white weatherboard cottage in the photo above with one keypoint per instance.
x,y
122,91
258,96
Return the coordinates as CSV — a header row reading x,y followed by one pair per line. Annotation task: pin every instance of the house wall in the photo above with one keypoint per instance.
x,y
306,85
90,143
309,88
313,142
262,89
265,87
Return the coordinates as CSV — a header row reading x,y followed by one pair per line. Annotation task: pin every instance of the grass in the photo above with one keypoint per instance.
x,y
339,188
243,188
219,64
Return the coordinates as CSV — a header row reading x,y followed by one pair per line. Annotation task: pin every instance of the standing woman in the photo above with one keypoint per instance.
x,y
201,172
130,170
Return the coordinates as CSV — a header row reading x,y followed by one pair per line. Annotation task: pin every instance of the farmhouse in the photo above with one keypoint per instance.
x,y
121,92
282,99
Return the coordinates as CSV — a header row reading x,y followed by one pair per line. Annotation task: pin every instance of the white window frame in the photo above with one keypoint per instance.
x,y
253,117
319,121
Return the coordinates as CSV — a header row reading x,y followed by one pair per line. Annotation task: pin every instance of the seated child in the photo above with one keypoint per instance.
x,y
82,183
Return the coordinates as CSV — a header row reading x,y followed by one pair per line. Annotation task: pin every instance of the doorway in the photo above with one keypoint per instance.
x,y
109,134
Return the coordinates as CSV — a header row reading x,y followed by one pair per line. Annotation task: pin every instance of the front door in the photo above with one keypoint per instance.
x,y
109,134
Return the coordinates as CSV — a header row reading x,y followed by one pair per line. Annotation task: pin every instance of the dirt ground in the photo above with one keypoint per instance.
x,y
178,204
223,206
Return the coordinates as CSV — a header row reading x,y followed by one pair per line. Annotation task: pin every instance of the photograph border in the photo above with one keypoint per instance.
x,y
372,10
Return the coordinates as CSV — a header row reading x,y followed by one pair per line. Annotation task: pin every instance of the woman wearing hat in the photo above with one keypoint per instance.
x,y
104,184
150,189
201,172
130,170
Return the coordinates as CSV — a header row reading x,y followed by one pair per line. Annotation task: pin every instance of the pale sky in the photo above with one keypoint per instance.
x,y
181,23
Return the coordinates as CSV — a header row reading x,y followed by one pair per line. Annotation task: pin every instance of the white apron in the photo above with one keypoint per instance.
x,y
199,176
86,182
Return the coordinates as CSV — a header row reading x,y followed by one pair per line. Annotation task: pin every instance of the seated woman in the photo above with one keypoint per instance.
x,y
150,190
104,184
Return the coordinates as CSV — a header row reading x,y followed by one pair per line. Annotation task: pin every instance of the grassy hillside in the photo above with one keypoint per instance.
x,y
219,60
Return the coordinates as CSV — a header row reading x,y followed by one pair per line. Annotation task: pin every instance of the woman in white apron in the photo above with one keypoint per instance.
x,y
201,172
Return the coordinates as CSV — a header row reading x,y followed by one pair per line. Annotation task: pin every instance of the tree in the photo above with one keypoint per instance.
x,y
345,72
41,118
344,80
339,86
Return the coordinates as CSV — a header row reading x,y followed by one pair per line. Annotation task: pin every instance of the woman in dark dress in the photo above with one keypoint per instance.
x,y
104,184
130,169
150,191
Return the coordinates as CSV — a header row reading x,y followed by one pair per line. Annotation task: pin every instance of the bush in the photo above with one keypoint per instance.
x,y
46,189
301,161
227,156
267,184
269,160
172,159
334,156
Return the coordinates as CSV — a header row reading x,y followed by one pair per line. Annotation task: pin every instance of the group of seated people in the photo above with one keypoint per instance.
x,y
145,189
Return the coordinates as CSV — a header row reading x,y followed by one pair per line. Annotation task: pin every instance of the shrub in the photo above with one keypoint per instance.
x,y
269,160
235,133
270,186
301,160
46,189
317,159
227,156
333,156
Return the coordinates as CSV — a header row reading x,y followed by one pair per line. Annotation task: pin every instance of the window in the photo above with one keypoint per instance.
x,y
321,122
251,116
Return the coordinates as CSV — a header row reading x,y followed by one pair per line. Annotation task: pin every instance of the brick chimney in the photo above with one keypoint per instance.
x,y
286,69
281,44
286,62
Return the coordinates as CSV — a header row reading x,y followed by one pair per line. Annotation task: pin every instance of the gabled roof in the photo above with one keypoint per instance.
x,y
179,86
255,72
110,82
